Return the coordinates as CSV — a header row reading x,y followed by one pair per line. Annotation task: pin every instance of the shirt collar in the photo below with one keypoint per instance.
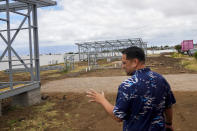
x,y
143,70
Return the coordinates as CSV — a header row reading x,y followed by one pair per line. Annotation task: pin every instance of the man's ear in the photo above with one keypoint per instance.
x,y
134,62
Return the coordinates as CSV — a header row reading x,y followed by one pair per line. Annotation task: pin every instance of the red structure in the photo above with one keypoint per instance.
x,y
187,45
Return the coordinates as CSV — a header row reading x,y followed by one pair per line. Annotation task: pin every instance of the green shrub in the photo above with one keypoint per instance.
x,y
178,48
177,55
195,55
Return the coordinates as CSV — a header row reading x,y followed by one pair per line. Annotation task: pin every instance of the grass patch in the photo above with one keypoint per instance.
x,y
46,107
190,64
51,113
48,72
79,68
178,55
12,122
54,75
38,122
16,107
43,119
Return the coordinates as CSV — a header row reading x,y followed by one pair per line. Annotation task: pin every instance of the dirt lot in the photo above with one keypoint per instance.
x,y
161,64
72,112
178,82
66,108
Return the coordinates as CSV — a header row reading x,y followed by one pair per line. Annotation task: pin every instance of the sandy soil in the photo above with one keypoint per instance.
x,y
72,112
178,82
65,106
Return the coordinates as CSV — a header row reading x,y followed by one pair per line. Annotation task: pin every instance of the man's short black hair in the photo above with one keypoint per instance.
x,y
134,52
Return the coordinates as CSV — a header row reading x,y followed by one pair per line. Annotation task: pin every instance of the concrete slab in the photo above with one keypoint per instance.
x,y
27,98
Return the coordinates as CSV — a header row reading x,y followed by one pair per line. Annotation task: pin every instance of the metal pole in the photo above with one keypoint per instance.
x,y
79,53
83,53
9,45
36,47
30,45
73,62
88,58
66,64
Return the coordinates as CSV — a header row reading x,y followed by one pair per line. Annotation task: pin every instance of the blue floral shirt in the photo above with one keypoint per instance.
x,y
142,100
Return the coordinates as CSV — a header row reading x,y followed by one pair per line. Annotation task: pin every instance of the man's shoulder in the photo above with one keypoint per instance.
x,y
158,78
132,80
154,74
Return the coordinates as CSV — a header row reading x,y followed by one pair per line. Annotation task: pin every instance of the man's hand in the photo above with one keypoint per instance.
x,y
100,98
95,96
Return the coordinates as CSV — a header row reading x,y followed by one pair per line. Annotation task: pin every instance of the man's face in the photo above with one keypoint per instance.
x,y
129,65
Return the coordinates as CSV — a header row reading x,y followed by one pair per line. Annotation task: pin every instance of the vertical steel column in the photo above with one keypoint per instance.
x,y
36,44
79,53
66,63
112,51
9,45
73,62
88,58
145,48
83,53
141,43
30,44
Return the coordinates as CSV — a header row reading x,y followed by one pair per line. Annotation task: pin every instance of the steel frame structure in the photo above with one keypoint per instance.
x,y
92,51
69,61
18,7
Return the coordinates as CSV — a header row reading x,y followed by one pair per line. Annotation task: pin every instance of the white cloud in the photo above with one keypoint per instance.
x,y
156,21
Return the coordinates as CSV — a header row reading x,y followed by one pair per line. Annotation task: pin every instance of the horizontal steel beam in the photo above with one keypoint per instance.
x,y
23,4
19,13
112,42
4,85
21,64
16,82
16,60
39,2
19,90
25,28
13,6
3,19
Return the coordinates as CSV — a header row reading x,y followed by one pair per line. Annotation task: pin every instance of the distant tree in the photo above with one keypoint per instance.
x,y
70,53
178,48
195,55
105,51
166,46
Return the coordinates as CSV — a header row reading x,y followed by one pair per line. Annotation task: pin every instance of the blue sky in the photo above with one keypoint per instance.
x,y
157,22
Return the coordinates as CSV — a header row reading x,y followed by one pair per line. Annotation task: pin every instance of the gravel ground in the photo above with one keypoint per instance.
x,y
179,82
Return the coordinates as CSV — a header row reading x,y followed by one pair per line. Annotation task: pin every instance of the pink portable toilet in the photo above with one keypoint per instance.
x,y
187,45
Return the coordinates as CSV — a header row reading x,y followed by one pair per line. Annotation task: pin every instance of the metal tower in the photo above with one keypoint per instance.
x,y
28,10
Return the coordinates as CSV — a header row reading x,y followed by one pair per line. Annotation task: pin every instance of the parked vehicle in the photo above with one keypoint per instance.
x,y
192,51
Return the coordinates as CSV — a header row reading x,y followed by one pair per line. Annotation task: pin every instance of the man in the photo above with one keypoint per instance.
x,y
144,101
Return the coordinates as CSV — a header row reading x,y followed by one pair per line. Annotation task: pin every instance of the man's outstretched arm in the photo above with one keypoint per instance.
x,y
100,98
